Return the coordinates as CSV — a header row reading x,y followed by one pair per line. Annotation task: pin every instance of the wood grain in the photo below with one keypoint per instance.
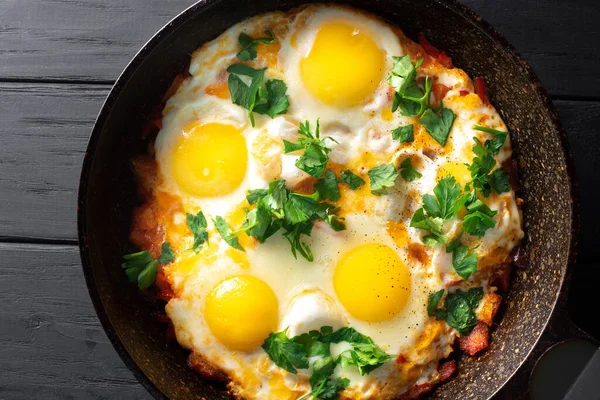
x,y
51,343
45,130
90,40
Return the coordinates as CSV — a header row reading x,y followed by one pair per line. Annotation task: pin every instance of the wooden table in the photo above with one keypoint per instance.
x,y
58,59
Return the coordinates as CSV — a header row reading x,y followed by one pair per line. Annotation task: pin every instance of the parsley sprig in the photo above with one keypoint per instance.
x,y
408,172
198,226
457,310
293,353
268,98
437,208
413,100
249,45
464,260
314,159
280,208
382,178
142,268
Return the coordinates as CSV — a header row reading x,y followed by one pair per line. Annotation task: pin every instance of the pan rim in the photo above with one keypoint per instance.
x,y
202,5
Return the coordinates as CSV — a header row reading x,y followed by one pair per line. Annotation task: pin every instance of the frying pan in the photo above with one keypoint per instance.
x,y
107,193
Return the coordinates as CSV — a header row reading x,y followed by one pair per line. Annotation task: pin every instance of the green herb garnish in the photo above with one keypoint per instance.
x,y
408,172
142,268
198,226
382,178
293,353
268,98
314,159
464,263
249,45
458,310
327,186
404,134
351,179
438,126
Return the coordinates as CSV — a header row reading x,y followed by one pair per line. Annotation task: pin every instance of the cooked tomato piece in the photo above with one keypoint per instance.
x,y
446,370
475,341
439,91
205,368
416,391
481,90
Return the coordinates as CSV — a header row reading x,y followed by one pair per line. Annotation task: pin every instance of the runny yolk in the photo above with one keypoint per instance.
x,y
241,312
372,282
344,66
209,159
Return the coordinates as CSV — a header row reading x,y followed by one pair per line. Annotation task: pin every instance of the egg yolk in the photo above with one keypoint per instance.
x,y
209,159
372,282
457,169
241,312
343,67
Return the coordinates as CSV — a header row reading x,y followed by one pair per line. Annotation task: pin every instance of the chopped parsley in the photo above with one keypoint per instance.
x,y
279,208
314,159
433,300
411,99
479,218
249,45
229,236
293,353
438,126
351,179
408,172
437,208
404,134
142,268
198,226
382,178
327,186
458,309
482,178
268,98
167,254
464,263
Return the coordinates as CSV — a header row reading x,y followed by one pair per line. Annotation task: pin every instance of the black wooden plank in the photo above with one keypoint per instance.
x,y
51,343
93,40
45,129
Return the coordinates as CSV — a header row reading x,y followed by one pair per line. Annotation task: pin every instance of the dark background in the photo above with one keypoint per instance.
x,y
58,59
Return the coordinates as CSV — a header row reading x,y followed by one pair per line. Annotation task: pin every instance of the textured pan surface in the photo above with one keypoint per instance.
x,y
107,191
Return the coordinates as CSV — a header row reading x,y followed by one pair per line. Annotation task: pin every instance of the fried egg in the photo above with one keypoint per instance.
x,y
376,275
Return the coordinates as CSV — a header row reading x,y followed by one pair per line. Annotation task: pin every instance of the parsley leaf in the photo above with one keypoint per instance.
x,y
382,178
446,193
499,181
464,264
409,97
314,159
404,133
249,45
140,267
438,126
167,254
458,311
285,353
327,186
351,179
293,236
408,172
432,224
494,145
269,99
227,234
433,300
483,164
197,224
255,194
476,223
